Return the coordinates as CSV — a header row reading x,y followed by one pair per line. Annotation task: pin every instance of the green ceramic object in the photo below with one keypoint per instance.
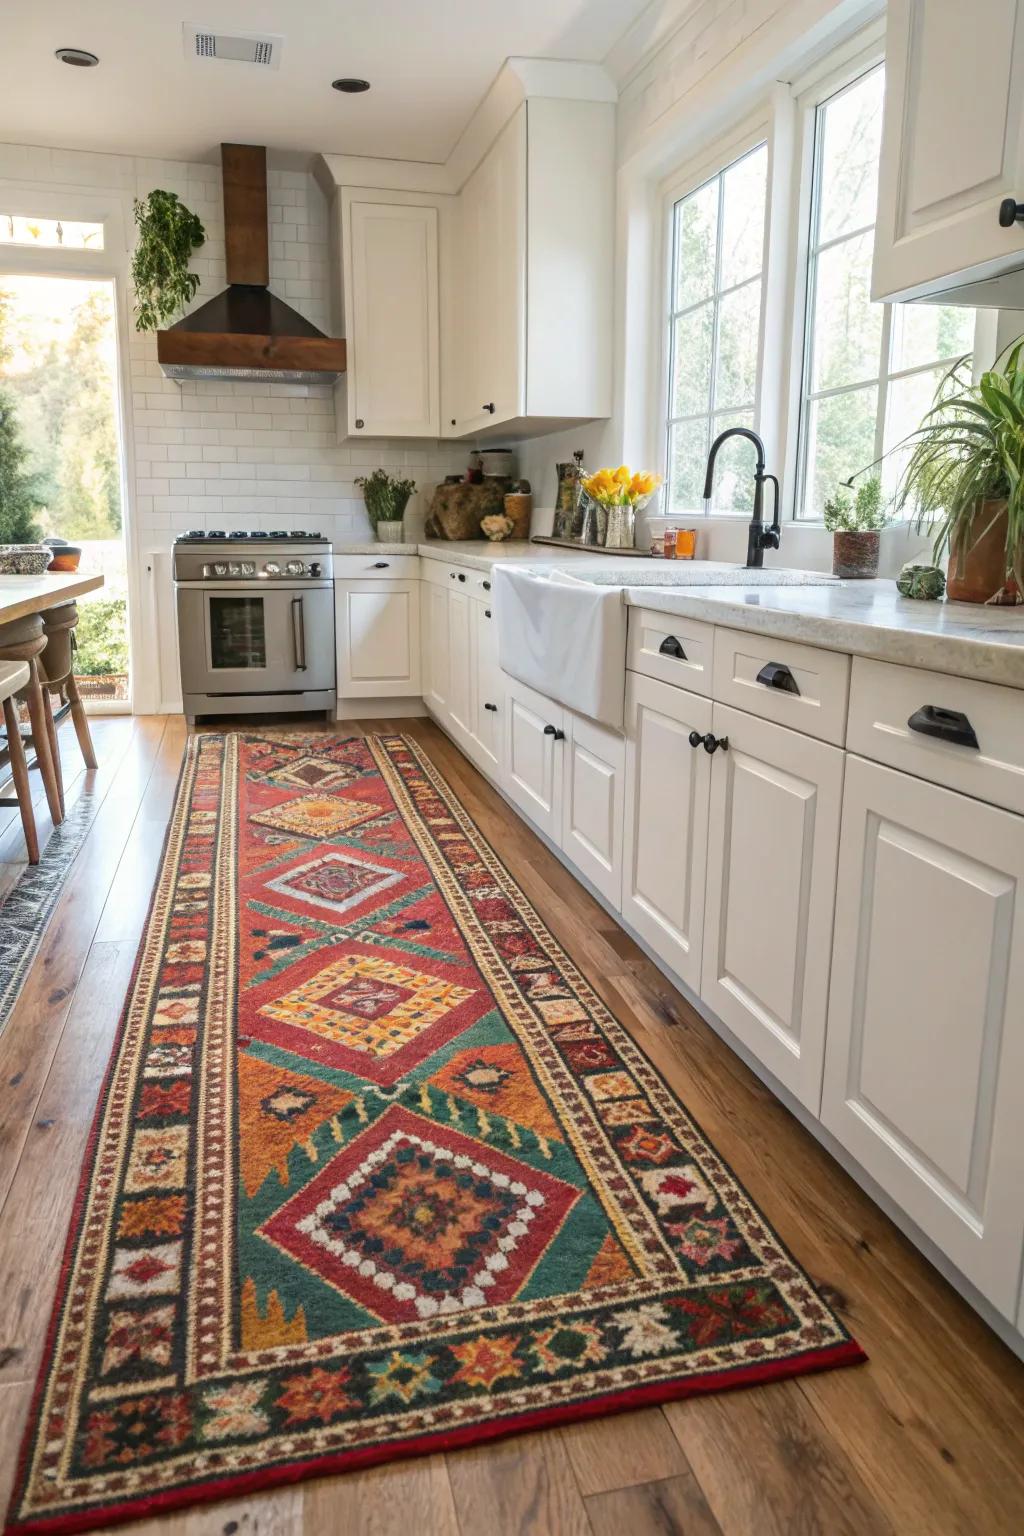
x,y
923,581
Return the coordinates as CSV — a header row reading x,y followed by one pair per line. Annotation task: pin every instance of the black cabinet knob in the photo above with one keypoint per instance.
x,y
488,407
487,586
487,613
380,565
712,743
1010,213
552,731
492,707
360,422
695,738
462,575
451,575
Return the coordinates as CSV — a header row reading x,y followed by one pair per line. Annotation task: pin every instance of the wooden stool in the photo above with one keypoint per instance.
x,y
24,640
57,664
14,676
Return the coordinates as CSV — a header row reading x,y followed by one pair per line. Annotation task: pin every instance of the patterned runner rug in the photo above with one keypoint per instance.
x,y
374,1172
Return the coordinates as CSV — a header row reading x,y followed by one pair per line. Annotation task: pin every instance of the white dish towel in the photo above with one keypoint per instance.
x,y
564,637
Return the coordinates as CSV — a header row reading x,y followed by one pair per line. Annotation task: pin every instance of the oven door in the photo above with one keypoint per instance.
x,y
248,637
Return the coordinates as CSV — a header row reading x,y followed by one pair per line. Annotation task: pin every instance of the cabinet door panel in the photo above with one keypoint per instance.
x,y
460,697
436,647
668,783
394,364
488,707
949,156
924,1076
773,839
378,626
592,801
533,758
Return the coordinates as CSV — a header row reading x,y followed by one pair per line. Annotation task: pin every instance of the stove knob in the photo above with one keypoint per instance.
x,y
315,568
295,568
248,568
272,568
220,570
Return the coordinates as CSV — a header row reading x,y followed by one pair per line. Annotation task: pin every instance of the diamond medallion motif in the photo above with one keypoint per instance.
x,y
335,881
368,1004
315,815
413,1219
314,773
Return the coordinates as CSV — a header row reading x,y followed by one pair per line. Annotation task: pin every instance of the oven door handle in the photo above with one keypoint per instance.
x,y
299,633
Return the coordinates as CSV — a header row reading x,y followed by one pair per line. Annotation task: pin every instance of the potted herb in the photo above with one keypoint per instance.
x,y
168,234
856,524
965,479
386,499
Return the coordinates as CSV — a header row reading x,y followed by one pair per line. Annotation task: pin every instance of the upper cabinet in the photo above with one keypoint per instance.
x,y
952,153
391,246
478,295
534,269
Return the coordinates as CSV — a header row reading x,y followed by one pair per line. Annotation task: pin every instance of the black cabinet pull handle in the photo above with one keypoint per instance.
x,y
381,565
1010,213
492,707
488,407
550,730
945,724
695,739
670,647
712,743
774,675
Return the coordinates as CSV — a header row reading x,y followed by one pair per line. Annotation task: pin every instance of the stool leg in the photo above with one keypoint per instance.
x,y
81,721
19,773
51,731
38,714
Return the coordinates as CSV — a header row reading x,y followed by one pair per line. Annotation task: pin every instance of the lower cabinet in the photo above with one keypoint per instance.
x,y
487,689
593,794
534,738
924,1076
773,840
378,638
435,647
668,784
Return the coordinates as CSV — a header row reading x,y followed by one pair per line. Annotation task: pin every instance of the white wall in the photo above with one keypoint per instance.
x,y
218,454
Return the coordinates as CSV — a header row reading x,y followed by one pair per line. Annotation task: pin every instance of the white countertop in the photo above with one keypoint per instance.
x,y
863,618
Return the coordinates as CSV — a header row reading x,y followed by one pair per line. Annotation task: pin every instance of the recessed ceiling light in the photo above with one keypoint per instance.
x,y
350,87
81,58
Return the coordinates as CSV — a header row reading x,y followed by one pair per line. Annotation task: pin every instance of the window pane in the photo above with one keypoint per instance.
x,y
921,333
847,340
840,441
696,231
15,230
908,400
733,489
691,361
851,128
736,367
688,457
743,203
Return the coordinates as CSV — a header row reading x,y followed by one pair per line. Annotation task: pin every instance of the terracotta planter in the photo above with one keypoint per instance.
x,y
855,555
977,561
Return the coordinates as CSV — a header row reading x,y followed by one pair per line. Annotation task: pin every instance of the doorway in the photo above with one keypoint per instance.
x,y
60,450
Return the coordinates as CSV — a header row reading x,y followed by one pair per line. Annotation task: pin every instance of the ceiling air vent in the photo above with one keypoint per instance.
x,y
236,48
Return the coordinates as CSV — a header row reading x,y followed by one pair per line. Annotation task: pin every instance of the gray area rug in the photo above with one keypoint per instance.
x,y
28,906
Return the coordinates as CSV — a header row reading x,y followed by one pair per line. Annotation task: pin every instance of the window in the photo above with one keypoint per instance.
x,y
714,327
869,370
71,234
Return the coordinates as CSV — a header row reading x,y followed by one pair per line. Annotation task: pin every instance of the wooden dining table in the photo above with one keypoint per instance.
x,y
21,595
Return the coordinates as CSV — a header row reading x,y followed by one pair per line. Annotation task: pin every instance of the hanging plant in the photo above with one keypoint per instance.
x,y
168,234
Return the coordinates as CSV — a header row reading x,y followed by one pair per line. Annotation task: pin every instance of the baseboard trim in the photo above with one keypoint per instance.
x,y
380,709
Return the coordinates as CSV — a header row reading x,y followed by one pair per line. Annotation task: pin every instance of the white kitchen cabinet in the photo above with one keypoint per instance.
x,y
487,688
924,1076
593,796
773,840
533,296
378,637
952,147
668,784
460,693
435,648
534,749
392,315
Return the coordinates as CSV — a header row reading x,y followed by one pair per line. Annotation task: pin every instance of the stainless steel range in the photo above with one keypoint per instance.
x,y
255,622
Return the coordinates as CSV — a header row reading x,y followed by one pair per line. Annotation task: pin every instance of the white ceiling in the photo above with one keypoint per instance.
x,y
429,62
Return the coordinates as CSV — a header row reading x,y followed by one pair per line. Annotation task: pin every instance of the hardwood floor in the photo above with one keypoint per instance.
x,y
927,1437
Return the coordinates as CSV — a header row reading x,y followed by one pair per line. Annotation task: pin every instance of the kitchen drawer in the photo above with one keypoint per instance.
x,y
443,573
811,687
671,649
883,700
379,567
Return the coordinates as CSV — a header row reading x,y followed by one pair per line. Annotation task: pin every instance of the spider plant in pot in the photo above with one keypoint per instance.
x,y
965,479
386,499
855,523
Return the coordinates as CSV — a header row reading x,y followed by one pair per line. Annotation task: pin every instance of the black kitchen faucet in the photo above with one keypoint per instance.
x,y
759,538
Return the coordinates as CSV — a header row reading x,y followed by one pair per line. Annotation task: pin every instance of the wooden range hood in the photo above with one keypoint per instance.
x,y
245,332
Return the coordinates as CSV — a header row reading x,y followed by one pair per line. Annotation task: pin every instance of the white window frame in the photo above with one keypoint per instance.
x,y
842,68
712,161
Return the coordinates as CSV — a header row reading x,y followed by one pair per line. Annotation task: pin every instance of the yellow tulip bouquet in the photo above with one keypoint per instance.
x,y
619,494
